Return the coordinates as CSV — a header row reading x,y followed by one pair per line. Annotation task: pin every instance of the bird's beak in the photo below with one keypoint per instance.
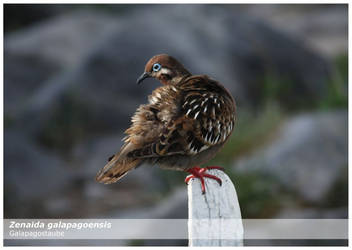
x,y
142,77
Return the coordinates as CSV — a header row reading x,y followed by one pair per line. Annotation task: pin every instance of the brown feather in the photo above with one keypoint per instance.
x,y
118,166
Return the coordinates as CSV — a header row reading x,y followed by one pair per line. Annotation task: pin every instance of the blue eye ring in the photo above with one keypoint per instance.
x,y
156,67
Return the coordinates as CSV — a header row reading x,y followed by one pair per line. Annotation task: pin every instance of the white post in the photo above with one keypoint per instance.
x,y
215,217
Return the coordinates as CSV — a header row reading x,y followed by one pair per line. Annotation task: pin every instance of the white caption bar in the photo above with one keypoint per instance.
x,y
169,228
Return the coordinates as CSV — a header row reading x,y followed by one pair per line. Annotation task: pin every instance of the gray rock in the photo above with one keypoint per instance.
x,y
313,213
173,206
31,172
307,155
321,27
64,39
41,52
31,176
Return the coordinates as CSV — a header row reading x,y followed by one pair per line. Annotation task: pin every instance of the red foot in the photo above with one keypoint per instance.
x,y
197,172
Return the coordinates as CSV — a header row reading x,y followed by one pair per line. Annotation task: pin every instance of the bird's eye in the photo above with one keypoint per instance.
x,y
156,67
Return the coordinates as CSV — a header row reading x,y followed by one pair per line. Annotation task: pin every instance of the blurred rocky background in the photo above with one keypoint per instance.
x,y
69,92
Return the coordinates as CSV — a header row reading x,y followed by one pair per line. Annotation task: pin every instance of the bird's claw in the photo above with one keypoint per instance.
x,y
199,173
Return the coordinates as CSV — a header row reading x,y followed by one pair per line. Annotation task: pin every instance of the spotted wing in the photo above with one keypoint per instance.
x,y
213,114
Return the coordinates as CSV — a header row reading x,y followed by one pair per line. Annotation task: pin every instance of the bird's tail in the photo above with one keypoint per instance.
x,y
117,167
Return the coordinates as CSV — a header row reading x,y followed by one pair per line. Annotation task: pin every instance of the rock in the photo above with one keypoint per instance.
x,y
32,167
174,206
323,28
31,175
63,40
45,50
313,213
58,206
307,155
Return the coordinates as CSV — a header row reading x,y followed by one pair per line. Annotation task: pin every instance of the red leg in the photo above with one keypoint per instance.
x,y
197,172
213,177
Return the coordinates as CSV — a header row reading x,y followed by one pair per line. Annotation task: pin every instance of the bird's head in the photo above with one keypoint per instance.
x,y
165,68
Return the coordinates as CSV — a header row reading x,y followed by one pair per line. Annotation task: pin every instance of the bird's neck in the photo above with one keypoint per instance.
x,y
179,79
